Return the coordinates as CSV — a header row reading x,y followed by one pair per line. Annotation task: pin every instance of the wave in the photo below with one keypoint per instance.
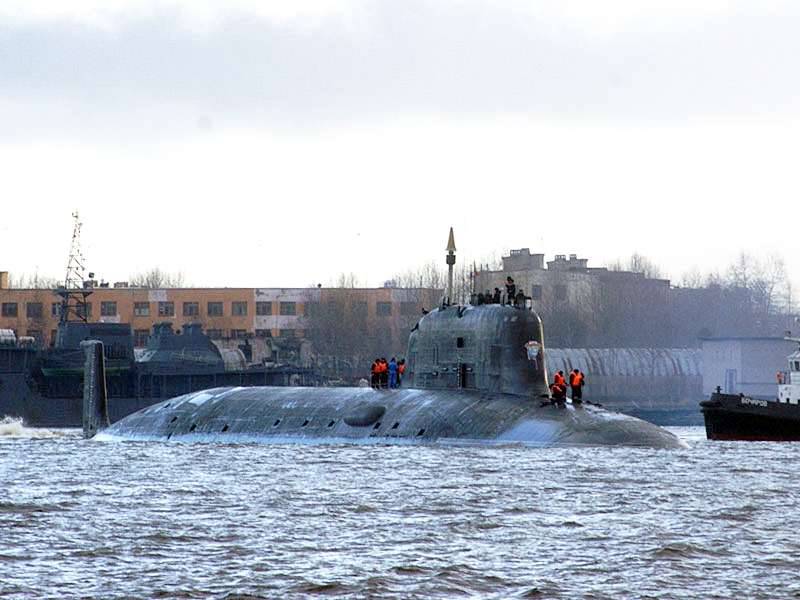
x,y
14,427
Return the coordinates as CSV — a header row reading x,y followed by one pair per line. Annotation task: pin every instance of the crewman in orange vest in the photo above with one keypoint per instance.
x,y
373,371
558,379
401,369
558,393
576,383
383,370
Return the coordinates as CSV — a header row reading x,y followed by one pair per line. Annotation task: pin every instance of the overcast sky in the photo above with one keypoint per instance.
x,y
277,144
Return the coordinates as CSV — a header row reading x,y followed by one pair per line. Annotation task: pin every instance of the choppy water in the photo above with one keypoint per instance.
x,y
114,520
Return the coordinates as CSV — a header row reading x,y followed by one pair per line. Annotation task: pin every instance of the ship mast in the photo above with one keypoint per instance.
x,y
451,260
76,288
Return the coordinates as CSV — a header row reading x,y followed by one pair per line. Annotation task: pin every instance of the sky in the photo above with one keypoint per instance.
x,y
278,144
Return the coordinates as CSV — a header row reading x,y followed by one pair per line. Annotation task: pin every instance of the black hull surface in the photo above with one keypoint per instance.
x,y
735,417
364,415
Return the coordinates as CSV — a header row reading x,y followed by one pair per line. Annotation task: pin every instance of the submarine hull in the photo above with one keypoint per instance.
x,y
365,415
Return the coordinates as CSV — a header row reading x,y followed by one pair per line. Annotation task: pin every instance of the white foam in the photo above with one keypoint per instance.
x,y
14,427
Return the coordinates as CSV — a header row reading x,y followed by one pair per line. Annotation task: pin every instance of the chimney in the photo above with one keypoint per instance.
x,y
3,280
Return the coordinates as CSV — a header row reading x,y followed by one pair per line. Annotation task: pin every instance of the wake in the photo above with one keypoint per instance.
x,y
14,427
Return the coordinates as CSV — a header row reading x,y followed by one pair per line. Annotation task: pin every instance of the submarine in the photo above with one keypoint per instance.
x,y
476,375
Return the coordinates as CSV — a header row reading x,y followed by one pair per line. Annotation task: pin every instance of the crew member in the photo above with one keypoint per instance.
x,y
401,369
384,373
558,393
576,383
393,373
779,377
558,379
511,290
373,371
496,297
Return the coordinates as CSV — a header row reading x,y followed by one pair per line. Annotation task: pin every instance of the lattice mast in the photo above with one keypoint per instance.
x,y
76,287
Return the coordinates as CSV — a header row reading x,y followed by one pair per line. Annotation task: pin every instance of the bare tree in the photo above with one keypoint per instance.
x,y
155,278
33,281
692,279
429,275
765,280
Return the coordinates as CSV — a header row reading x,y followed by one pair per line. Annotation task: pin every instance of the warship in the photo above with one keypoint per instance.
x,y
477,375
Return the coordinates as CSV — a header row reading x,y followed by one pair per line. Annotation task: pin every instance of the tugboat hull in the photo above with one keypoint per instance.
x,y
739,417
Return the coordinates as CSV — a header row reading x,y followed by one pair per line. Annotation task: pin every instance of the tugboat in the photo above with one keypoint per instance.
x,y
740,417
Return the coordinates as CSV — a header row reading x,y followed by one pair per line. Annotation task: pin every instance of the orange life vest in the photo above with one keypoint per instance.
x,y
558,379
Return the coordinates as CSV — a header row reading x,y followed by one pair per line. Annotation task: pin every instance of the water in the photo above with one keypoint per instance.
x,y
123,520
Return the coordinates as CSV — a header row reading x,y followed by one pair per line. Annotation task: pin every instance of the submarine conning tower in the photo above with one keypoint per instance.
x,y
491,348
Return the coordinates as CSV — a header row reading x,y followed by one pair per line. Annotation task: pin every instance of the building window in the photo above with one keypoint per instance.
x,y
561,293
215,309
166,309
34,310
536,292
84,311
9,309
383,309
408,309
108,309
239,309
140,337
55,309
360,309
53,334
214,334
286,333
238,333
191,309
288,309
264,333
141,309
263,309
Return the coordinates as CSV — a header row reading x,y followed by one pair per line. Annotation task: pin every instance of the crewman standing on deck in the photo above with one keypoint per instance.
x,y
558,379
576,383
373,370
392,373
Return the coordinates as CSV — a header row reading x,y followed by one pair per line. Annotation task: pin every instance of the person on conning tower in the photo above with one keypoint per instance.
x,y
511,290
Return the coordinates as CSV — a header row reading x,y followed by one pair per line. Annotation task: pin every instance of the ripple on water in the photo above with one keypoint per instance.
x,y
246,521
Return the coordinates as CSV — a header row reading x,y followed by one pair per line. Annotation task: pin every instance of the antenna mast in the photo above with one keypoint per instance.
x,y
451,260
76,287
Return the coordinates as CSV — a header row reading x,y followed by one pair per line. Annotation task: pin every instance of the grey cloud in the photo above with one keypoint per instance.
x,y
413,57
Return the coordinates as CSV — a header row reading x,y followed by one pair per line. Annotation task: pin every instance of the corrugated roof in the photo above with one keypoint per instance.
x,y
626,362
